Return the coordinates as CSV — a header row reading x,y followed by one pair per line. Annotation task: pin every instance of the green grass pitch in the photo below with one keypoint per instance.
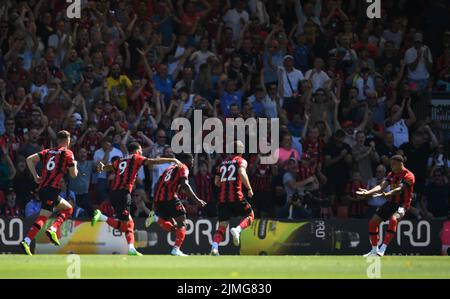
x,y
234,267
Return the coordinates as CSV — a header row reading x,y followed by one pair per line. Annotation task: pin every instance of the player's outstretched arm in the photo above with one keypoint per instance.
x,y
32,160
153,161
102,167
73,170
400,188
377,189
245,180
184,184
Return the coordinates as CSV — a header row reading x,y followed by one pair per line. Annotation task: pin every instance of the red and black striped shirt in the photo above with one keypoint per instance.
x,y
407,178
357,207
14,143
169,183
55,163
314,148
125,170
230,189
305,172
203,186
262,179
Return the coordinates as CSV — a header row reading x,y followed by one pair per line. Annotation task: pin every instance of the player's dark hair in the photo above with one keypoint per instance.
x,y
184,157
62,135
133,146
398,158
114,159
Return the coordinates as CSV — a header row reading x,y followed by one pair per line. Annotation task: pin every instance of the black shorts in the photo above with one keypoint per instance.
x,y
388,209
121,202
169,209
49,198
233,209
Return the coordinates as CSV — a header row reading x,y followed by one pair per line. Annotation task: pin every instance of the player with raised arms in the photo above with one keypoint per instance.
x,y
56,162
401,183
125,170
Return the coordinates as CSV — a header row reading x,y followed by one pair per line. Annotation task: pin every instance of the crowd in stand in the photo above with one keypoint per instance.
x,y
349,92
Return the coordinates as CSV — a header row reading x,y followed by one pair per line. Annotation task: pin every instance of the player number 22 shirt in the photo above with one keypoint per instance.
x,y
230,189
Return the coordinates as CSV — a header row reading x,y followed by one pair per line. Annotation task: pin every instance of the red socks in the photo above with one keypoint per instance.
x,y
165,225
36,227
247,221
62,216
218,236
169,226
129,232
180,235
114,223
125,227
392,228
373,232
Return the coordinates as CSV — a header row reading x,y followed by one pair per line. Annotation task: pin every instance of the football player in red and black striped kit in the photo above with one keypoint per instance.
x,y
230,176
170,213
401,184
55,163
125,170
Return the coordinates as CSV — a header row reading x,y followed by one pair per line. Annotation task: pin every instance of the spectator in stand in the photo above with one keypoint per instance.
x,y
11,139
261,179
119,84
236,18
23,181
7,169
443,70
272,57
386,148
203,184
337,164
286,151
11,209
294,208
377,201
317,76
417,151
140,205
356,205
420,62
80,185
398,126
289,79
105,154
394,33
364,156
435,200
201,56
310,12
